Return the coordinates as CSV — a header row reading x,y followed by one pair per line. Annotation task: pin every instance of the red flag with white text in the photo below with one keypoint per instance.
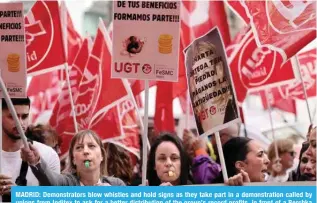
x,y
44,45
61,115
285,25
255,67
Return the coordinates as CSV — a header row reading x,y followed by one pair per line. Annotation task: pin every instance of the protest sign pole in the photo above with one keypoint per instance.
x,y
221,157
271,122
1,137
64,31
187,110
13,113
145,132
297,65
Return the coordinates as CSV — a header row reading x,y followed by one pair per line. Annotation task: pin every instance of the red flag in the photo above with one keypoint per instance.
x,y
129,123
294,90
287,25
277,101
100,107
257,67
163,118
61,115
238,8
43,92
74,40
44,45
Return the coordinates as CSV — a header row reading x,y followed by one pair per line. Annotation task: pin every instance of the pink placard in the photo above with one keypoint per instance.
x,y
12,51
146,40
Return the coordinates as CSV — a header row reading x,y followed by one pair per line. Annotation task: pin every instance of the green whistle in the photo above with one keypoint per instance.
x,y
87,164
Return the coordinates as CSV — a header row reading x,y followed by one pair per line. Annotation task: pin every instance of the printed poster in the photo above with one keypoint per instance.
x,y
12,51
146,40
210,84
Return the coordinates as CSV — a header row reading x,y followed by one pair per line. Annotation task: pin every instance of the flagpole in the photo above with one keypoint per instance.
x,y
271,122
297,65
187,110
145,133
64,31
1,137
221,157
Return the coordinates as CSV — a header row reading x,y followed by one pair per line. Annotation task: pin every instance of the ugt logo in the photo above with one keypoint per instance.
x,y
255,68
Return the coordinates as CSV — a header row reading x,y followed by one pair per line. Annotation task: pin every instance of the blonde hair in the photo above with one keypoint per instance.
x,y
79,137
283,145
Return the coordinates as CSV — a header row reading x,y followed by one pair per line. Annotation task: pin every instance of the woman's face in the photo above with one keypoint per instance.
x,y
256,162
84,150
167,162
311,151
308,166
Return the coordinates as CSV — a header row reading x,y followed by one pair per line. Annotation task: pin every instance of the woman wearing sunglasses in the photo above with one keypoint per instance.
x,y
281,165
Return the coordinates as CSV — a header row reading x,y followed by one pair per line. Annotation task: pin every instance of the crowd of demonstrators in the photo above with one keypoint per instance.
x,y
14,171
171,160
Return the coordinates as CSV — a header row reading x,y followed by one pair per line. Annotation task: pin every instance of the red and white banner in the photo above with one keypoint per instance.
x,y
255,67
284,25
44,45
98,107
294,90
61,115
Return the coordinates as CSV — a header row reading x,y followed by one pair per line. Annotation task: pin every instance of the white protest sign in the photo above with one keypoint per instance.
x,y
146,40
12,51
210,84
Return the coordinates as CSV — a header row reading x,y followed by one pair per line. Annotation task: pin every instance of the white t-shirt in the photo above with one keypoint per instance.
x,y
11,163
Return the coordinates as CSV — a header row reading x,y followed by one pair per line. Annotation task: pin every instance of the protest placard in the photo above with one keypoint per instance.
x,y
146,40
12,51
210,84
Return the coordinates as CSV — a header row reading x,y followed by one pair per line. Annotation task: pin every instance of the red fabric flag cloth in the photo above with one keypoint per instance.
x,y
164,119
44,45
286,25
256,67
238,8
277,101
307,63
61,115
43,92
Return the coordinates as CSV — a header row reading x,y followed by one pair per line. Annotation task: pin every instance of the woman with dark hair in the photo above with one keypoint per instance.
x,y
44,134
168,162
306,170
119,163
245,161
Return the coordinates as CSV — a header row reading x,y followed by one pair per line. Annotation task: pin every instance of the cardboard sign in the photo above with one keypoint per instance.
x,y
210,84
146,40
12,51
